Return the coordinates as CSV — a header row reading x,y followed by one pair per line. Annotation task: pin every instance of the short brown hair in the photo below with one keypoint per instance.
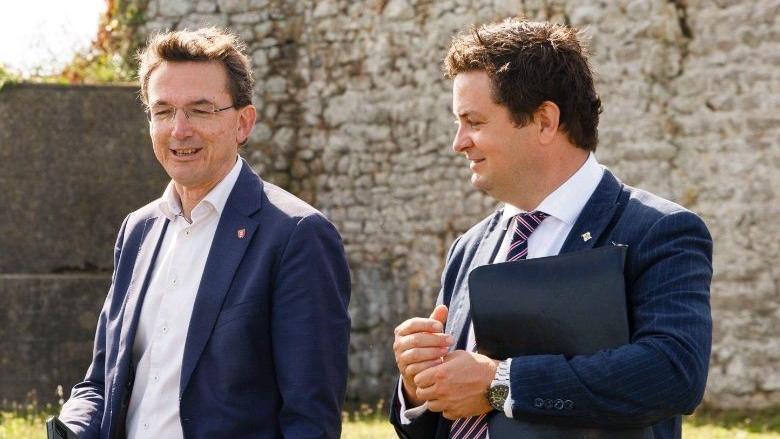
x,y
206,44
529,63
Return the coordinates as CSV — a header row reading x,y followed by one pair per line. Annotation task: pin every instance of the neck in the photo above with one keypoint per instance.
x,y
191,195
550,176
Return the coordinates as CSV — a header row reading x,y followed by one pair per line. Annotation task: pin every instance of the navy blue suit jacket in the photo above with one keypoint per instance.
x,y
266,349
661,373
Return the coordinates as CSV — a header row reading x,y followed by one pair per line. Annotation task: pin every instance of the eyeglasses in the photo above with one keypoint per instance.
x,y
198,113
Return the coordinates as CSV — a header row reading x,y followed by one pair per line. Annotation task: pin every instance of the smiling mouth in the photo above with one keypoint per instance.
x,y
185,152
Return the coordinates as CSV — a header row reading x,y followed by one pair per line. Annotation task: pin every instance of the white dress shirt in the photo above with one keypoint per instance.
x,y
158,348
563,206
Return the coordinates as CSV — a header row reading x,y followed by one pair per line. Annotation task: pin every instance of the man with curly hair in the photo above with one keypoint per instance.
x,y
527,114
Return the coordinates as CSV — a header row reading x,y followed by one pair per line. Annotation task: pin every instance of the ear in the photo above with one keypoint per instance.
x,y
547,118
246,122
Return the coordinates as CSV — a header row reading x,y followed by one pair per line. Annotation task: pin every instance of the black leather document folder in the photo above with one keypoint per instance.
x,y
570,304
55,429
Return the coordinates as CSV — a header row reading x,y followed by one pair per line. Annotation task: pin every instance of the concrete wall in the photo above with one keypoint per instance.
x,y
354,116
73,162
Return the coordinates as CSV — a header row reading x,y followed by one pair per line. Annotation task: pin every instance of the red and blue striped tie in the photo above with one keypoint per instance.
x,y
476,427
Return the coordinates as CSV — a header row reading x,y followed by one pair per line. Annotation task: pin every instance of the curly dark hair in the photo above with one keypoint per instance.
x,y
206,44
529,63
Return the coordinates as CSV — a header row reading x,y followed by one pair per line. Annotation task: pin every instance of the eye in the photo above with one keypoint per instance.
x,y
162,111
475,124
201,111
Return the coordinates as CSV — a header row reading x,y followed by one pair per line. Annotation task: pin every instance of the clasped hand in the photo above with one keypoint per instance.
x,y
453,383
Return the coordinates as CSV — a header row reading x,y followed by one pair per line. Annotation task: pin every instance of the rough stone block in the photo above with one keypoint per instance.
x,y
233,6
174,8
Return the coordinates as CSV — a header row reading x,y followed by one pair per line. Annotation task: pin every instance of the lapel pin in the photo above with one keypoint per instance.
x,y
586,236
241,233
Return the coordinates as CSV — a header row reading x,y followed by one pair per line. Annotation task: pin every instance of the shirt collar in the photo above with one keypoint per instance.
x,y
170,203
567,201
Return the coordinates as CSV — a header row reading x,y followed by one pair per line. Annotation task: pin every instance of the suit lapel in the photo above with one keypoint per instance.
x,y
460,305
235,231
151,239
136,289
595,216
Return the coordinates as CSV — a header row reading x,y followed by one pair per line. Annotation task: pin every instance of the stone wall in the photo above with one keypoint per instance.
x,y
355,117
73,162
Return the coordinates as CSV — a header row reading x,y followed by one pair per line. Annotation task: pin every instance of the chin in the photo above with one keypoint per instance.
x,y
183,178
480,183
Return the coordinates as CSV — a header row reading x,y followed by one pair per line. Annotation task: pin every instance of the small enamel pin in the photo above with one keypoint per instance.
x,y
241,233
586,236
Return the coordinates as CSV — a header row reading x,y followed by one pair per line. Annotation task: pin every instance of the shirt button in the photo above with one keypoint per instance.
x,y
156,378
146,425
187,232
173,281
164,329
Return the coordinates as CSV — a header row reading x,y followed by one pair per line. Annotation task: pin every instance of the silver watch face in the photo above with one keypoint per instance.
x,y
497,396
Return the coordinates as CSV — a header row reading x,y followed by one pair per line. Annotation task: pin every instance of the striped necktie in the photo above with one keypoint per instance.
x,y
475,427
525,224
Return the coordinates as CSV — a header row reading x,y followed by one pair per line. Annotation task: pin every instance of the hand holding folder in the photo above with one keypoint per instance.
x,y
570,304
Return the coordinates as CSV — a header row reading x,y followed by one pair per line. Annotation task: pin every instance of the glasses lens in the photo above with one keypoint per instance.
x,y
202,111
161,113
199,113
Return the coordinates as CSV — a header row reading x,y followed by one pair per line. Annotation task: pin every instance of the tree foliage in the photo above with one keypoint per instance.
x,y
111,58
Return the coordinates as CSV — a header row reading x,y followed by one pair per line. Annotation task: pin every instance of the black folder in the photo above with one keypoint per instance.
x,y
55,429
570,304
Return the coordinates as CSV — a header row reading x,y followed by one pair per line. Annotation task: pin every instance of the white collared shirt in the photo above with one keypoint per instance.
x,y
158,348
563,206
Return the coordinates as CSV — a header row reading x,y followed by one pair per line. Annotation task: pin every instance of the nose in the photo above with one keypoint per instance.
x,y
462,140
180,125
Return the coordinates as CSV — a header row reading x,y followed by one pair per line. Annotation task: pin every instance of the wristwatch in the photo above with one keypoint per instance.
x,y
499,387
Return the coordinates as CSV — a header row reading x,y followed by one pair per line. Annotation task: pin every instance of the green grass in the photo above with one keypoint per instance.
x,y
757,424
370,423
24,422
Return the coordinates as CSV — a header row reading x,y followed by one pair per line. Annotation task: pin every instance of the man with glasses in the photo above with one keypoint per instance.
x,y
227,314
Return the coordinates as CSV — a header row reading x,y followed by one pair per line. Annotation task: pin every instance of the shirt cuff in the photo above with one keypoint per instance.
x,y
509,401
409,415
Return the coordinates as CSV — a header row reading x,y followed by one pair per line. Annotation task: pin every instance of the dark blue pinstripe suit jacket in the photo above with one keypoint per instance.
x,y
662,372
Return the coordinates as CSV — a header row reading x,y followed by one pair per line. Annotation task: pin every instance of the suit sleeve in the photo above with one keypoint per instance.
x,y
310,330
83,412
663,371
